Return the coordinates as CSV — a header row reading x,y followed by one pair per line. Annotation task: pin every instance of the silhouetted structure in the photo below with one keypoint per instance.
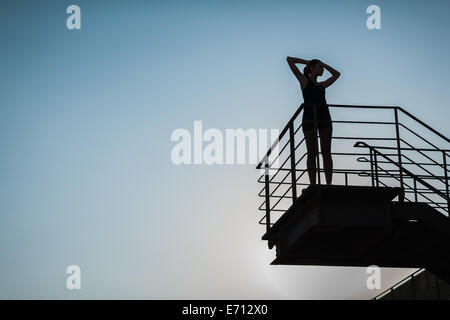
x,y
421,285
389,209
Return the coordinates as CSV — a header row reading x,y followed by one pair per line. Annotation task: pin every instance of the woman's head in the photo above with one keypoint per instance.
x,y
313,68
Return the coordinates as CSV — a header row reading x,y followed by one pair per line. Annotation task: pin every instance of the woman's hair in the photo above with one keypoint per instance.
x,y
313,62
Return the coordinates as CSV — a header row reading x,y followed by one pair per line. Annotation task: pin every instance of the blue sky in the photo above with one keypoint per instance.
x,y
86,117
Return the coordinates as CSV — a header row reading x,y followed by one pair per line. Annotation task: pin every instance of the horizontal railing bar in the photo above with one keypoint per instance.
x,y
361,106
410,149
356,154
343,170
362,122
358,144
407,190
419,176
436,204
362,138
425,191
362,173
403,163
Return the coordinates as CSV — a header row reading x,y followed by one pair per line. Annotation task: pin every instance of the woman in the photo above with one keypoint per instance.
x,y
314,97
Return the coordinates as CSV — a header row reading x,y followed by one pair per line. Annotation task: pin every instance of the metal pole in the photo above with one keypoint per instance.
x,y
399,153
415,189
292,146
266,181
446,181
376,168
371,168
317,144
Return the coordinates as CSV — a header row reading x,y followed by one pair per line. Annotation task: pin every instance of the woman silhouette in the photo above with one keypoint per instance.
x,y
314,97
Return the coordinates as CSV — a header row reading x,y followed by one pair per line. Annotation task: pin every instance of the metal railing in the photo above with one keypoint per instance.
x,y
425,192
411,290
415,157
398,284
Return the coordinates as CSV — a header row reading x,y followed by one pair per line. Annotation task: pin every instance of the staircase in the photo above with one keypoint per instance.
x,y
389,202
421,285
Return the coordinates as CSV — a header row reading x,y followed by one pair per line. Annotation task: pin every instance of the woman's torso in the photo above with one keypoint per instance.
x,y
314,93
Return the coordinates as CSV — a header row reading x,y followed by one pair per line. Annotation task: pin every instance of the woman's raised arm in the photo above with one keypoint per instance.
x,y
334,75
300,76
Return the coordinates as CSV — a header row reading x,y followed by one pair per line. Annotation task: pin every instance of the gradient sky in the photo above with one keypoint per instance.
x,y
86,117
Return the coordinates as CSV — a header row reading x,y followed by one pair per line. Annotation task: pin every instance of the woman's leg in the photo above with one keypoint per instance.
x,y
311,142
325,148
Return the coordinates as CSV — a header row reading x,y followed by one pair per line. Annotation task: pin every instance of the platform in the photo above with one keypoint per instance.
x,y
361,226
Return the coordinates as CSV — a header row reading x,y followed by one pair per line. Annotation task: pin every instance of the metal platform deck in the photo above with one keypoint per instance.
x,y
361,226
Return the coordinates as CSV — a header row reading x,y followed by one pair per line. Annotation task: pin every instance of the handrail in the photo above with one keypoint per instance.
x,y
424,124
411,189
422,138
283,132
361,144
301,107
395,286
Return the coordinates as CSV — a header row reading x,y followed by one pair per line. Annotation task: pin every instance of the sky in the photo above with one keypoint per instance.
x,y
86,117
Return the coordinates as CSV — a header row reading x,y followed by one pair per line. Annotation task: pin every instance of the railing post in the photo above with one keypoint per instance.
x,y
371,167
266,182
376,168
446,181
317,144
415,190
399,152
292,147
